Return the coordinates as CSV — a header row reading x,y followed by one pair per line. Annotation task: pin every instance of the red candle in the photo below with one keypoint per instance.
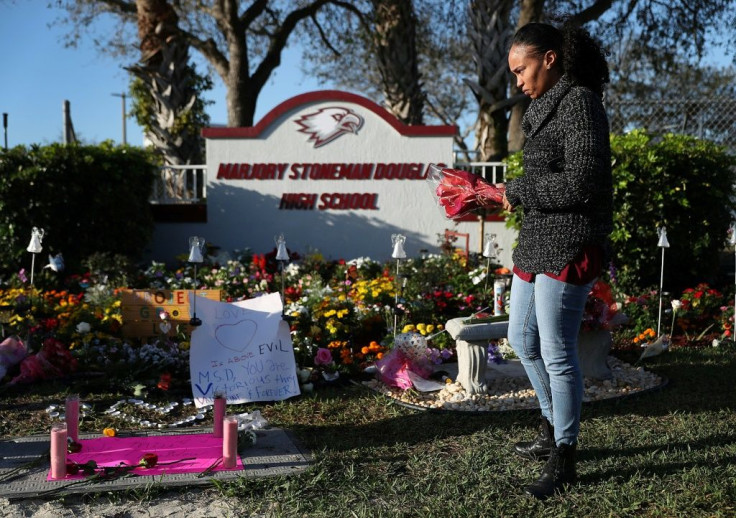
x,y
230,442
72,417
58,450
220,400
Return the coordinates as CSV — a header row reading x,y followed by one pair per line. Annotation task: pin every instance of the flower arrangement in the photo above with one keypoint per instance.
x,y
601,310
344,308
700,309
727,322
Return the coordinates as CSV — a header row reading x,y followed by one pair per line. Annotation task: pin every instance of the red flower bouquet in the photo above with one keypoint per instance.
x,y
459,192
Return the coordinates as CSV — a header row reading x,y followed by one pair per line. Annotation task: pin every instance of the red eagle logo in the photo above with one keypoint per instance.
x,y
327,124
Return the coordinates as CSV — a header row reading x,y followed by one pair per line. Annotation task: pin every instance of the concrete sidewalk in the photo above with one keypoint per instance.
x,y
276,452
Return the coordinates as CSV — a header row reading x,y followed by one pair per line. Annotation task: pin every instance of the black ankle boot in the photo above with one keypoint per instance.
x,y
540,447
559,470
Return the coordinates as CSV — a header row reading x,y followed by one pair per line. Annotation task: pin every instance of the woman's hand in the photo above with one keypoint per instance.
x,y
506,205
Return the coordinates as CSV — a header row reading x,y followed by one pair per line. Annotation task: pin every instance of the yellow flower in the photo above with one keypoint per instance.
x,y
408,328
109,432
430,328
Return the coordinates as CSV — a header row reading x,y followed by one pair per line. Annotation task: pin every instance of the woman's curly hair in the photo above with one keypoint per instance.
x,y
581,56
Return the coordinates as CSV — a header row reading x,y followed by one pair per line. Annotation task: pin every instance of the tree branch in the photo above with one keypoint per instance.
x,y
272,59
253,12
591,13
323,36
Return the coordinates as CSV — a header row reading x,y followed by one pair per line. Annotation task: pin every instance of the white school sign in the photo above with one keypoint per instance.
x,y
333,172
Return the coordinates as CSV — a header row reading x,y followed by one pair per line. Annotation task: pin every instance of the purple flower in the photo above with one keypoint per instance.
x,y
494,355
612,272
22,275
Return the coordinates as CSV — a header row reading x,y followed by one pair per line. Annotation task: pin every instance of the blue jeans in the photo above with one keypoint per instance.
x,y
544,321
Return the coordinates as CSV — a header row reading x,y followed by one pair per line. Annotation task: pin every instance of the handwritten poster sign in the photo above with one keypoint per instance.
x,y
244,350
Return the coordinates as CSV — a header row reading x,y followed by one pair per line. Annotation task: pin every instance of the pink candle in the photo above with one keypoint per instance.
x,y
230,442
58,450
220,400
72,417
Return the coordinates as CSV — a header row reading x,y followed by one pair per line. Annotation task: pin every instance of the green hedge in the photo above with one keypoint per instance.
x,y
88,199
680,182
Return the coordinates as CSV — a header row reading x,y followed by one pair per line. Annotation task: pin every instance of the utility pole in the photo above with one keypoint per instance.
x,y
69,135
5,129
122,96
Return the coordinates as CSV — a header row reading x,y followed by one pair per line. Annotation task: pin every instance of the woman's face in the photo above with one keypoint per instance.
x,y
535,74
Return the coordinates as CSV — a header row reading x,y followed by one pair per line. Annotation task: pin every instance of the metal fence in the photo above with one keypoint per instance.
x,y
710,119
180,184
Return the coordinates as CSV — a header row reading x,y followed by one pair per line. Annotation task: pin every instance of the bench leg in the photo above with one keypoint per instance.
x,y
472,361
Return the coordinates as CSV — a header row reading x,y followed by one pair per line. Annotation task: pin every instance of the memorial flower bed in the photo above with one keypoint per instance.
x,y
347,309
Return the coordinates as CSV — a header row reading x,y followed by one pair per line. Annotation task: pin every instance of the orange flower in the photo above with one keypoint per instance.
x,y
109,432
346,356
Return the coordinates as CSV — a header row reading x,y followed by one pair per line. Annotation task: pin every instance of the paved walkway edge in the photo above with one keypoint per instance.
x,y
276,452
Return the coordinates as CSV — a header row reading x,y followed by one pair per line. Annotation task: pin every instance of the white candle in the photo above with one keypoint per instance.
x,y
219,414
58,450
72,417
230,442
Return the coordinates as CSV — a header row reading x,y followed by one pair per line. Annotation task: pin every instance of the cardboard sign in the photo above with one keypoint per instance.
x,y
141,309
244,350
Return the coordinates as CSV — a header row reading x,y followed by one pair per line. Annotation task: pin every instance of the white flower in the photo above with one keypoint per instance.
x,y
676,304
83,328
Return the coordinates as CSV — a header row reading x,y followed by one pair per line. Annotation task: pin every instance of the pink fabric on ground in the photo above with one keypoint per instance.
x,y
111,451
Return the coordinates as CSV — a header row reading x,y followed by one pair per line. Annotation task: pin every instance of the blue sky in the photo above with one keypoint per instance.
x,y
37,74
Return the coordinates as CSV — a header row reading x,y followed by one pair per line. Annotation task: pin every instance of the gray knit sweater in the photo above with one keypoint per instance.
x,y
566,191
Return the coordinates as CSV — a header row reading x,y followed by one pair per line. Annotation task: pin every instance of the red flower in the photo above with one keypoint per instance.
x,y
149,460
165,382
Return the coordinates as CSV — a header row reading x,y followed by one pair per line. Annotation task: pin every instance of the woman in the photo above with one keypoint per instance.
x,y
566,196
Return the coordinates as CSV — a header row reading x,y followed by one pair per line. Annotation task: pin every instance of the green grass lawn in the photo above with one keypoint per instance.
x,y
669,452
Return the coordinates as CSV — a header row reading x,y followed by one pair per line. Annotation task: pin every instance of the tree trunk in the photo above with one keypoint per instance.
x,y
164,69
531,11
490,31
395,44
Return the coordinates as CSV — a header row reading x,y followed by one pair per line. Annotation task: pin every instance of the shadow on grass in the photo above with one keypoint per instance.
x,y
401,425
685,447
700,381
649,469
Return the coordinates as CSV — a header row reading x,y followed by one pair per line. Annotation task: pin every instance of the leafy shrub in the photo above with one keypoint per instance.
x,y
680,182
88,199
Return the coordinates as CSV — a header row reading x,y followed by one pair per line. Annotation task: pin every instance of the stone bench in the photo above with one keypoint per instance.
x,y
471,344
